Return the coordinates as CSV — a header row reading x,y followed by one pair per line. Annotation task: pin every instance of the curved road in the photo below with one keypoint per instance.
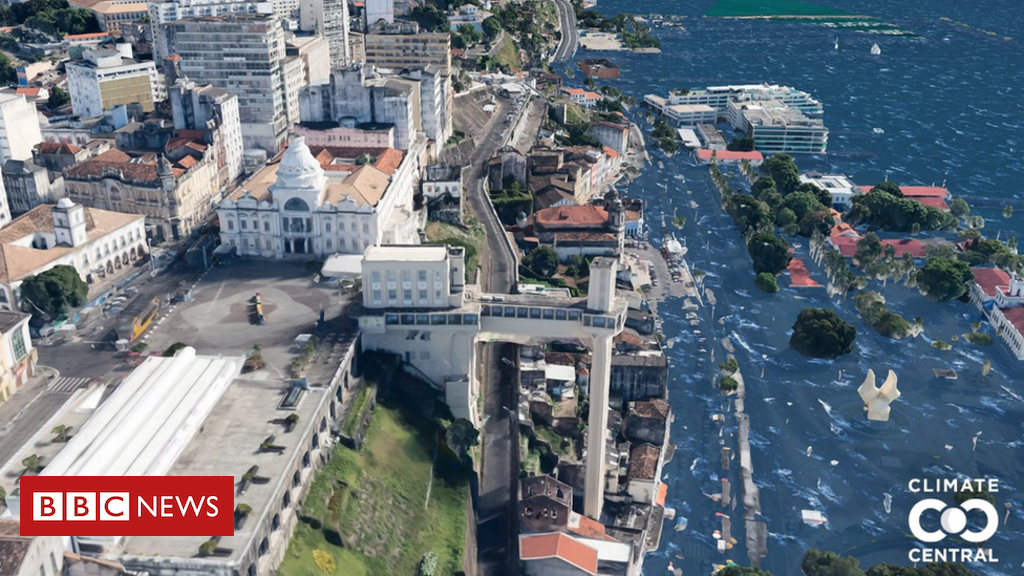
x,y
570,36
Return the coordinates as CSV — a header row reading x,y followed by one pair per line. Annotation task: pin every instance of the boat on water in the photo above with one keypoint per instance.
x,y
813,517
878,131
837,43
875,50
673,247
681,523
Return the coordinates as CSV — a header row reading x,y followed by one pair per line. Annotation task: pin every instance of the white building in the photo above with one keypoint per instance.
x,y
718,97
329,18
19,128
212,109
164,12
691,114
377,10
1000,297
296,207
776,127
28,556
95,242
17,355
105,78
840,187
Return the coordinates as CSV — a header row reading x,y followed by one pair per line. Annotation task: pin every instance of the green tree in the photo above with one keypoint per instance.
x,y
728,384
58,97
468,32
944,278
818,563
766,282
785,217
32,463
890,187
742,571
749,213
783,170
174,349
7,70
461,436
821,333
744,144
543,261
491,27
769,252
959,208
729,367
54,292
762,187
869,249
430,18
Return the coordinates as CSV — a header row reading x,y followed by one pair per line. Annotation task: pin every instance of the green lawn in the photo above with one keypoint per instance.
x,y
472,236
353,417
737,8
508,54
375,498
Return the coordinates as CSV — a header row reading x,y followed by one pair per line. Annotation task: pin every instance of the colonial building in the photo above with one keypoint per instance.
x,y
441,189
28,185
17,356
96,242
580,230
337,201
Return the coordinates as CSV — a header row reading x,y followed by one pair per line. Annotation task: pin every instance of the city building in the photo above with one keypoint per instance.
x,y
28,185
196,415
330,18
1009,324
17,355
841,188
436,101
401,45
105,78
777,127
726,157
324,203
441,189
584,231
333,134
1000,296
164,12
614,136
96,242
711,137
470,14
111,14
213,112
558,554
988,285
175,190
719,97
247,61
377,10
315,53
19,128
599,69
29,556
584,98
358,96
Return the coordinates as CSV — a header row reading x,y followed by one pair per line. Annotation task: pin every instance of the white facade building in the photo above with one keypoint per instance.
x,y
163,12
19,128
840,187
105,78
377,10
718,97
95,242
211,108
329,18
777,127
295,207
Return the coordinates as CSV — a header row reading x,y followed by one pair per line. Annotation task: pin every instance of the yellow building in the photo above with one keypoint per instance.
x,y
17,356
106,78
110,14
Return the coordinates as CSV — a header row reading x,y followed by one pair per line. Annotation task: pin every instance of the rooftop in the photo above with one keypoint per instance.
x,y
656,408
406,253
643,462
847,246
13,550
799,276
990,280
9,320
1016,317
557,545
752,156
918,191
571,217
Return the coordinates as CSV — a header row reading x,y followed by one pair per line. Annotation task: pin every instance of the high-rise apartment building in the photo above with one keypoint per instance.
x,y
19,128
330,18
402,45
106,78
245,55
164,12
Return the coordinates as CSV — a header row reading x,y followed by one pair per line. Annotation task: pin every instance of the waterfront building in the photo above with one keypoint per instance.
x,y
1000,296
106,78
934,196
329,18
582,97
248,60
599,68
1009,324
727,157
17,355
19,127
111,14
612,135
94,242
718,97
841,188
323,203
584,231
401,45
777,127
711,137
164,12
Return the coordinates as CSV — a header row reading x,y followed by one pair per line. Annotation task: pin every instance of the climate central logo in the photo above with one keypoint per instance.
x,y
953,520
127,506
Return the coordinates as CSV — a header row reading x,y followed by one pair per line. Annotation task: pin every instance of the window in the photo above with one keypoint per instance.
x,y
231,224
266,225
327,226
392,296
329,244
376,277
376,296
244,224
422,274
296,205
18,343
423,294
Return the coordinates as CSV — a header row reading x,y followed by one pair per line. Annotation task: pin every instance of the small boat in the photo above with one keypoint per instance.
x,y
681,523
887,502
875,50
878,131
813,517
837,43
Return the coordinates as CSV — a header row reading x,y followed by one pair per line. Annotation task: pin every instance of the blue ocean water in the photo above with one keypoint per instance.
x,y
952,111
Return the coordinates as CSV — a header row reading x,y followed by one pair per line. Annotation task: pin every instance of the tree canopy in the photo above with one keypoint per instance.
x,y
543,261
944,278
491,27
769,252
430,18
782,168
882,210
766,282
818,563
54,292
744,144
58,97
821,333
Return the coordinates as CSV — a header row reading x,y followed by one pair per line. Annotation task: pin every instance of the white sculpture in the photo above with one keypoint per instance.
x,y
877,400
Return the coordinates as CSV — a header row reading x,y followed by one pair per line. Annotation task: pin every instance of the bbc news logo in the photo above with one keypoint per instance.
x,y
953,521
127,505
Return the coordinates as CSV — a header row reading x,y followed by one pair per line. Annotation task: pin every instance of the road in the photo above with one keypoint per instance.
x,y
570,35
496,534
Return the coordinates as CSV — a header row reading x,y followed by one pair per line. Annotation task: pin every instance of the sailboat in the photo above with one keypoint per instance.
x,y
837,43
875,50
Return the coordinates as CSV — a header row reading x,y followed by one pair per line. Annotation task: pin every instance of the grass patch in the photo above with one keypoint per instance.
x,y
472,235
380,512
508,54
557,441
575,114
740,8
353,417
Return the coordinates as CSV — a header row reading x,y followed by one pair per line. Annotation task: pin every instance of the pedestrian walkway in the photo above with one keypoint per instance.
x,y
67,385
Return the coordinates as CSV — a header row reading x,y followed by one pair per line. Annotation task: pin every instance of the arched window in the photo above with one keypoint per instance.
x,y
327,226
296,205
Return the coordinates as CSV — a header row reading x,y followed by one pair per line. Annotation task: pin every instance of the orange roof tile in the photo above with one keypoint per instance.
x,y
990,279
662,492
572,217
557,545
799,276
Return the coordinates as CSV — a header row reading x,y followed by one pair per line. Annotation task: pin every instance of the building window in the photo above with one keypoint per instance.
x,y
296,205
327,226
266,225
423,294
392,296
329,244
231,224
376,296
244,224
422,275
18,342
53,563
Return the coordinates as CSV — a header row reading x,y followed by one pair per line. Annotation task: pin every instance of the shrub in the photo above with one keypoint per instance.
x,y
174,349
207,548
140,347
940,345
243,510
728,384
324,561
730,366
978,338
766,283
428,565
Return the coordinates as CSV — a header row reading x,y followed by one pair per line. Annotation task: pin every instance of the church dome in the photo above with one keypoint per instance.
x,y
298,168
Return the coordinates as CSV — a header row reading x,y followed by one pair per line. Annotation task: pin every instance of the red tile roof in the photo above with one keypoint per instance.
x,y
1016,317
86,36
703,154
848,246
932,201
656,408
28,91
572,217
662,492
799,276
57,148
917,191
989,279
557,545
610,152
643,462
588,528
